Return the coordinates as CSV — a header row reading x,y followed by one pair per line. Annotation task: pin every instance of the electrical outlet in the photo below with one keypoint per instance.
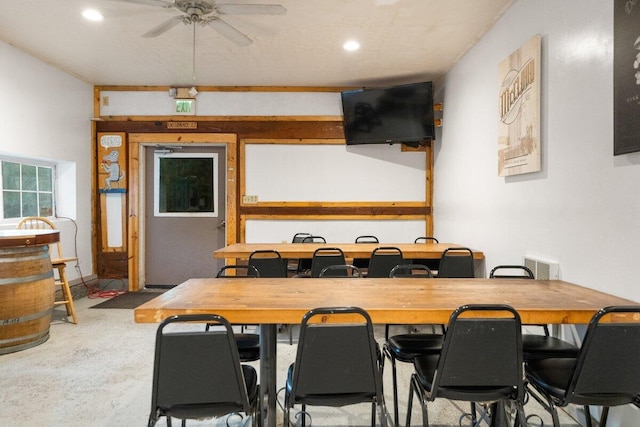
x,y
249,199
105,101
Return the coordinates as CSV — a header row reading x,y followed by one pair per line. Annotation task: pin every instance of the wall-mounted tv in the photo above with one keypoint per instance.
x,y
389,115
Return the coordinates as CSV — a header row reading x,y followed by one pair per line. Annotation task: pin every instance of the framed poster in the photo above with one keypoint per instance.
x,y
626,76
519,111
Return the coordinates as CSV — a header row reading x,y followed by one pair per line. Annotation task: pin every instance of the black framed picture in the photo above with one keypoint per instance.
x,y
626,76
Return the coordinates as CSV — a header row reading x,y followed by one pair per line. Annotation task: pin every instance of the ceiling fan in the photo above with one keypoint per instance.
x,y
208,12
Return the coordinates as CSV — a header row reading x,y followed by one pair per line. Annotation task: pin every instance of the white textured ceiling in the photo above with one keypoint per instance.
x,y
401,41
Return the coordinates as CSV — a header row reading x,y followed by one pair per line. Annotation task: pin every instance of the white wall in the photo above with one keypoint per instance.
x,y
44,113
583,209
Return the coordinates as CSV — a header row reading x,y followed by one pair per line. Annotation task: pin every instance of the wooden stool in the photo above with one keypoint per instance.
x,y
57,262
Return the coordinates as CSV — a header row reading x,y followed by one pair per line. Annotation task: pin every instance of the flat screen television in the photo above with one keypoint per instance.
x,y
389,115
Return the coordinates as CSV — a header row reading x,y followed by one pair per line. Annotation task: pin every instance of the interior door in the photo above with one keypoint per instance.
x,y
184,220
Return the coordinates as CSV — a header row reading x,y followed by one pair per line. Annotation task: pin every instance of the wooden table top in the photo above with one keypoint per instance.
x,y
400,300
11,238
351,250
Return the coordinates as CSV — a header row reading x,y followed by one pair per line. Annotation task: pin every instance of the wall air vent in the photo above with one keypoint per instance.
x,y
543,270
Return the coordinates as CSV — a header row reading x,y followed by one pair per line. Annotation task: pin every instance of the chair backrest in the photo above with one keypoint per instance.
x,y
41,223
324,257
244,270
383,259
305,263
482,350
607,363
415,271
338,357
313,239
299,237
340,270
269,263
364,262
198,369
367,239
425,239
456,262
511,272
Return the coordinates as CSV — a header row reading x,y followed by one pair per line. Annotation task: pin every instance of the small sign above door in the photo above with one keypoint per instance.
x,y
182,125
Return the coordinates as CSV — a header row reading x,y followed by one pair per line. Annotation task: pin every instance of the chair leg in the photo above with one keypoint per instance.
x,y
604,416
66,293
546,402
521,417
415,386
373,414
394,375
587,416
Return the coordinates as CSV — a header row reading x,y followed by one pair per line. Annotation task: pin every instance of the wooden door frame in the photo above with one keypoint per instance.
x,y
135,221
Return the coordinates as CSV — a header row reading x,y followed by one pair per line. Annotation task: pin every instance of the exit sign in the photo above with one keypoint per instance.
x,y
185,107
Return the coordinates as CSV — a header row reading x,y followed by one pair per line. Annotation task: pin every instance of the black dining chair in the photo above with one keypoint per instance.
x,y
248,344
337,363
269,263
293,265
238,270
324,257
433,264
456,262
383,259
605,372
363,263
340,270
414,271
304,264
480,361
535,346
197,373
406,347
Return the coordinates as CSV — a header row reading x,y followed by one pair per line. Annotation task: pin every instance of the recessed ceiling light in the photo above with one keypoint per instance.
x,y
92,15
351,46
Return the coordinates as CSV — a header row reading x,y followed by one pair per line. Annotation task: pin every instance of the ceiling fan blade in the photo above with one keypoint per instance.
x,y
229,32
159,3
250,9
165,26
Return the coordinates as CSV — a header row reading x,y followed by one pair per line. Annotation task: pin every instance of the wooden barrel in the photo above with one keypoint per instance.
x,y
26,297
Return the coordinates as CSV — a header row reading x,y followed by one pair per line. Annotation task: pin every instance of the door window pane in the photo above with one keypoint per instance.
x,y
185,184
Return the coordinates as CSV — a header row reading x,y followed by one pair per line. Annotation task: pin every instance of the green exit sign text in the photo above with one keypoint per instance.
x,y
185,107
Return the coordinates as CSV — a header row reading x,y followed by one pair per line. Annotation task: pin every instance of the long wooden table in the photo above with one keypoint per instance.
x,y
270,302
351,250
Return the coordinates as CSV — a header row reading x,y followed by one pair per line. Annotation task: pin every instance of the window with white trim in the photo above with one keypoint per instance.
x,y
28,188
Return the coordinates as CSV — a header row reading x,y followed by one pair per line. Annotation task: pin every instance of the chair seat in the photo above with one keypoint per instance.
x,y
208,410
536,347
327,399
248,347
407,347
554,375
425,369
